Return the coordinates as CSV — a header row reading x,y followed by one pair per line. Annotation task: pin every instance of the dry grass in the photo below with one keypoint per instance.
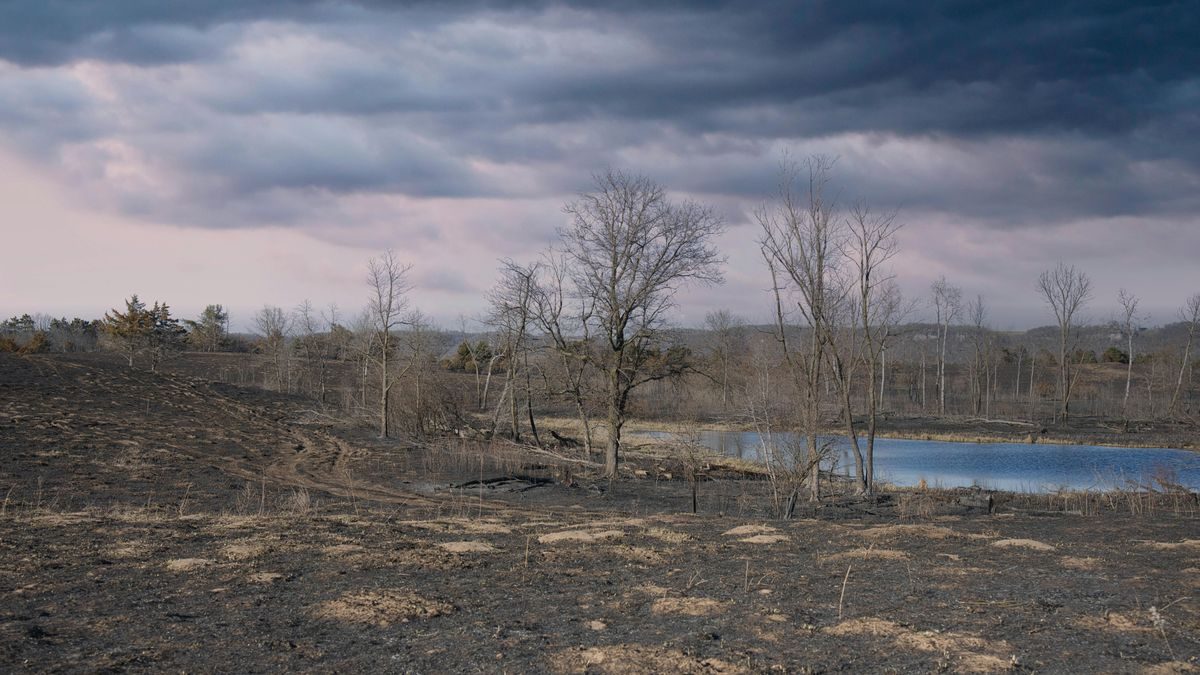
x,y
187,564
970,654
688,606
868,554
243,550
635,660
748,530
907,530
669,536
580,536
381,608
764,539
1173,545
467,547
1031,544
1081,564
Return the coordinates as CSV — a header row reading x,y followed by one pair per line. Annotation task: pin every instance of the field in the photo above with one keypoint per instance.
x,y
155,522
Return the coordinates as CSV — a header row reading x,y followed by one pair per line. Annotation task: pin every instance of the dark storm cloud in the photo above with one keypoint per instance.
x,y
1007,113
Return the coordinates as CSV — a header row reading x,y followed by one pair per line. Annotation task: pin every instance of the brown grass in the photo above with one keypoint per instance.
x,y
467,547
971,654
868,554
1031,544
580,536
628,659
688,606
381,608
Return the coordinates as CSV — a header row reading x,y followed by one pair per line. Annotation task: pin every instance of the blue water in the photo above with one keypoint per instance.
x,y
1001,466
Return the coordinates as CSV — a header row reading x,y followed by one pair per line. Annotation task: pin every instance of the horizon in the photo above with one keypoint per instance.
x,y
245,156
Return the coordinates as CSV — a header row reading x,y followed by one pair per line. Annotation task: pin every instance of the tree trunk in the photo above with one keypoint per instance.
x,y
384,387
1187,351
614,431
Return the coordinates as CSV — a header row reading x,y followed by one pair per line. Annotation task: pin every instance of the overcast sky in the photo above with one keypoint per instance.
x,y
260,152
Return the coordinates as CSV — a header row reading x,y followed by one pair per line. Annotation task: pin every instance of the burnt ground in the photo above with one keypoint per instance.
x,y
166,523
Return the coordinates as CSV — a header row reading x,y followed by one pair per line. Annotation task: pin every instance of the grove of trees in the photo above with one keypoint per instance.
x,y
578,339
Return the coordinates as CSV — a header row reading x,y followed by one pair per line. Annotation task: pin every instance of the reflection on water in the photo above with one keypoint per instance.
x,y
1001,466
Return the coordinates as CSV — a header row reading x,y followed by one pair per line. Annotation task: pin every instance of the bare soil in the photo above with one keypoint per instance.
x,y
155,522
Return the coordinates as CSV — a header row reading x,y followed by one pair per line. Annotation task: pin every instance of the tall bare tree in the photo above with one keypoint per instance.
x,y
273,327
1067,290
312,344
1128,323
725,331
387,279
980,337
947,305
872,243
631,249
800,242
1190,314
567,325
417,344
511,316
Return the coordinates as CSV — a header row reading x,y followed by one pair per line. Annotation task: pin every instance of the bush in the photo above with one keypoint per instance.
x,y
1114,355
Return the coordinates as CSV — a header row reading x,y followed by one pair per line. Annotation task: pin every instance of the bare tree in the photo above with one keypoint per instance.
x,y
1128,324
312,345
947,304
273,326
1067,290
630,250
567,327
1190,314
387,279
871,245
725,331
800,241
980,340
511,316
417,345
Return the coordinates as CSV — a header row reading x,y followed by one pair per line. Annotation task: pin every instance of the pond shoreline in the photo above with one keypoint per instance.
x,y
1090,432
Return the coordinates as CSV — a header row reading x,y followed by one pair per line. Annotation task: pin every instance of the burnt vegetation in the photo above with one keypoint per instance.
x,y
337,490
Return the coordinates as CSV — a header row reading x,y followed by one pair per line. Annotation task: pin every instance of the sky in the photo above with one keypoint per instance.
x,y
260,153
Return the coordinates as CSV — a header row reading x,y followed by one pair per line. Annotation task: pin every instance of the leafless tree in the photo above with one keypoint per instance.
x,y
1067,290
872,243
312,345
475,351
630,250
511,316
387,300
1128,323
980,340
1190,314
417,347
566,324
273,327
800,243
947,304
725,330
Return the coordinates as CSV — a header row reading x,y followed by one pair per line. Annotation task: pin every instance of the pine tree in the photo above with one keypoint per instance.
x,y
208,333
131,330
166,336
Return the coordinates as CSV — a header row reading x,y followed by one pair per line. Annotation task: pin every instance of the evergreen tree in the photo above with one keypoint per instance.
x,y
130,331
208,333
166,336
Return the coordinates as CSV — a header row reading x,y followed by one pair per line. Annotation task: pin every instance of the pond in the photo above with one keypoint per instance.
x,y
1000,466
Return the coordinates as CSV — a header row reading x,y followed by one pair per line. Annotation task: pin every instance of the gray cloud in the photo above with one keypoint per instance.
x,y
234,114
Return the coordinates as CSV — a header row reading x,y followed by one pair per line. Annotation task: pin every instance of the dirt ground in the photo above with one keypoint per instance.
x,y
157,522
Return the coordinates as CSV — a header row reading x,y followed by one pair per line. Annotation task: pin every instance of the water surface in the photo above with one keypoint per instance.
x,y
1001,466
